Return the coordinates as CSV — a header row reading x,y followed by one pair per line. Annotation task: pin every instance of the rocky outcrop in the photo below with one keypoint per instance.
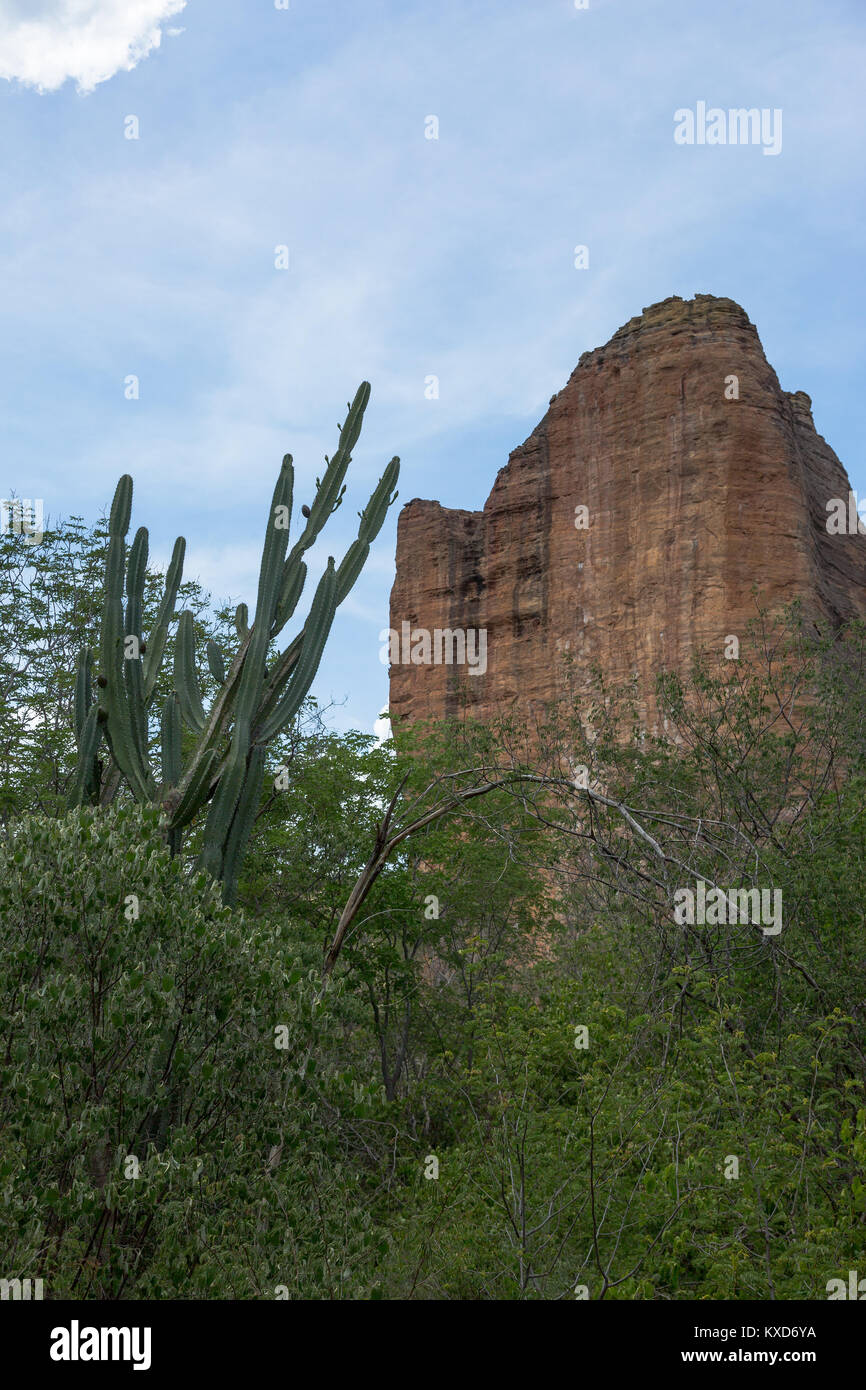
x,y
668,477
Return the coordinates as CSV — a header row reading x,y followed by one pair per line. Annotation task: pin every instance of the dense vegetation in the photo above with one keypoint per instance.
x,y
523,1077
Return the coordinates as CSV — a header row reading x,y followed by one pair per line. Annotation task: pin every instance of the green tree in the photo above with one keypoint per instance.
x,y
51,599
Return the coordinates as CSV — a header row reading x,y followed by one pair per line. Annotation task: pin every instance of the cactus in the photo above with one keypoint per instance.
x,y
254,702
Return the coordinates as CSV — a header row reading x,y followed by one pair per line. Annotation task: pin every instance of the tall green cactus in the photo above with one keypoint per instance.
x,y
254,702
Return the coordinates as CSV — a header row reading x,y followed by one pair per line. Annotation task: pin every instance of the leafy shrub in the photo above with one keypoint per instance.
x,y
154,1139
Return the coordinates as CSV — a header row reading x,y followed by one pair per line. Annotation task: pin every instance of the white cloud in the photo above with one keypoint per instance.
x,y
44,42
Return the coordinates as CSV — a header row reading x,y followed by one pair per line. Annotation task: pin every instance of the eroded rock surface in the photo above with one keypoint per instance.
x,y
695,490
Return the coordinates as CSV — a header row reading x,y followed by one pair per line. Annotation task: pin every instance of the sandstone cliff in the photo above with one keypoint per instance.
x,y
695,487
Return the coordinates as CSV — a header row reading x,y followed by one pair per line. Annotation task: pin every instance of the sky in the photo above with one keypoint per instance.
x,y
308,127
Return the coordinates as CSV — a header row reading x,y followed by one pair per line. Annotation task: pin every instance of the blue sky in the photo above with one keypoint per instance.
x,y
408,257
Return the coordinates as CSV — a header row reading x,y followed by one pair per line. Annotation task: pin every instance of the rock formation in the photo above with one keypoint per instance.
x,y
670,475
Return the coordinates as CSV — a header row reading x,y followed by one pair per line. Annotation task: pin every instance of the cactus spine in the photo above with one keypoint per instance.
x,y
254,702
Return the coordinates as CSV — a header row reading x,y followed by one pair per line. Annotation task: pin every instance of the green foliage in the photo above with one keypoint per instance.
x,y
610,1169
139,1016
707,1141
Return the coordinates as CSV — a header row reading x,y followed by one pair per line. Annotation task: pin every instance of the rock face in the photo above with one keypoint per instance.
x,y
695,488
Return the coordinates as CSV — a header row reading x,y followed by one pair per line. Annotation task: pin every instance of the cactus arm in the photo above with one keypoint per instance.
x,y
276,681
121,507
82,782
242,823
372,518
231,783
181,809
132,667
328,496
83,691
294,579
273,555
85,784
118,732
171,733
329,491
316,631
220,714
225,801
122,749
157,639
350,567
171,740
185,680
242,621
376,509
215,662
135,572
